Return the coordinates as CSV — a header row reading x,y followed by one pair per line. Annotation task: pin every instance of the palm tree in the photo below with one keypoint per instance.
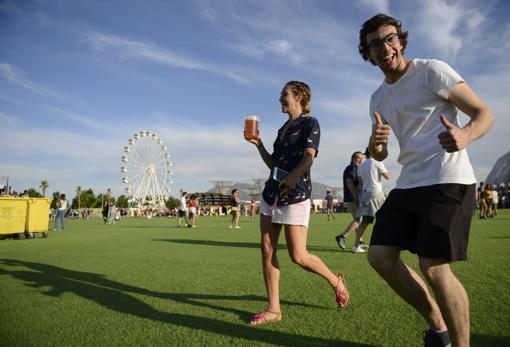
x,y
109,192
44,185
78,193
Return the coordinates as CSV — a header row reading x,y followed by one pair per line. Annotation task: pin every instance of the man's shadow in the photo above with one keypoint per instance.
x,y
116,296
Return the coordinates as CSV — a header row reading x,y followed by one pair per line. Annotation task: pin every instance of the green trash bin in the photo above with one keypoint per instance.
x,y
38,218
13,213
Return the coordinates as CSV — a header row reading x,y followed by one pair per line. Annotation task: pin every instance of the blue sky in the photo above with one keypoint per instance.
x,y
79,78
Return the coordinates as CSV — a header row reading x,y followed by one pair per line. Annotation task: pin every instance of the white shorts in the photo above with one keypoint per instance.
x,y
371,202
295,214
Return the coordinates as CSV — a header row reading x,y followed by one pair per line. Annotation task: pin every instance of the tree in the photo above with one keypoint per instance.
x,y
33,193
56,196
172,203
122,201
44,185
99,200
78,194
109,193
85,199
88,198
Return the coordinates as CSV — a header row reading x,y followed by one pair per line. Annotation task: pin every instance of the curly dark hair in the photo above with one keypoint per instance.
x,y
372,25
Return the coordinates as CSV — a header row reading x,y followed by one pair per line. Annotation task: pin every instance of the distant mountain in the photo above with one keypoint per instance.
x,y
318,191
500,172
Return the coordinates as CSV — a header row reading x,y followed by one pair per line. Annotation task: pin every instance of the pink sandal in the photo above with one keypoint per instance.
x,y
342,295
261,318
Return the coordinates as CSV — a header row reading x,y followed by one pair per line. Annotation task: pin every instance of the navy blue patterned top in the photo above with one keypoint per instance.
x,y
287,154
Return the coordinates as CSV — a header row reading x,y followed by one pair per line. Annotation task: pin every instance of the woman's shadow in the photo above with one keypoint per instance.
x,y
116,296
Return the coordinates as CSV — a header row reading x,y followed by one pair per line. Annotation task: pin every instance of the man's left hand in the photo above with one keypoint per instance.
x,y
454,138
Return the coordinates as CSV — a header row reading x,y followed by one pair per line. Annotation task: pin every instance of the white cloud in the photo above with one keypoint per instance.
x,y
85,121
128,49
9,6
440,20
19,77
376,6
6,120
304,38
10,99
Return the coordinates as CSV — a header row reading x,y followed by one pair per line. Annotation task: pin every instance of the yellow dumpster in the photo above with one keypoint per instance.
x,y
38,210
13,215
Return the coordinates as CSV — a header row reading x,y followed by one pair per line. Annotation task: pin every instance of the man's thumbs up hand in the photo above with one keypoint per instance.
x,y
453,139
447,123
378,119
380,132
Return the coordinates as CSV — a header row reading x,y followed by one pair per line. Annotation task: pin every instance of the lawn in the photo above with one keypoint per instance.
x,y
147,283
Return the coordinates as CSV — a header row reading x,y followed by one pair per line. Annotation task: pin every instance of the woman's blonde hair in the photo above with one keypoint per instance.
x,y
302,89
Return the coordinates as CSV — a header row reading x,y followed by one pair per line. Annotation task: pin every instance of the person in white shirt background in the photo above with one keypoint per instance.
x,y
370,173
183,210
61,213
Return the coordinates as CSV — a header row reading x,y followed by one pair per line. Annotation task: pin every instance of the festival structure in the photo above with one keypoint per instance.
x,y
146,171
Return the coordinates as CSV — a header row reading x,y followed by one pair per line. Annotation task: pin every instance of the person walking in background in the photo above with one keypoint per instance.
x,y
429,212
235,201
183,211
487,197
61,213
494,201
372,196
480,199
253,210
286,199
329,205
112,213
192,209
351,196
105,212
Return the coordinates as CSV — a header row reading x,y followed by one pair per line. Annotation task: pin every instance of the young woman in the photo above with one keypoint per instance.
x,y
286,199
253,210
193,204
235,209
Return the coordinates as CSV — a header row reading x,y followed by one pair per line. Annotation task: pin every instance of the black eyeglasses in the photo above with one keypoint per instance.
x,y
378,44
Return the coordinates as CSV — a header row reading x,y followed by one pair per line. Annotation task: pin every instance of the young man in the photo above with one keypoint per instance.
x,y
429,212
370,174
351,196
329,204
183,211
61,213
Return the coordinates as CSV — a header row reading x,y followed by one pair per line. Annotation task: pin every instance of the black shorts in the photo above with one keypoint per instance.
x,y
431,221
182,213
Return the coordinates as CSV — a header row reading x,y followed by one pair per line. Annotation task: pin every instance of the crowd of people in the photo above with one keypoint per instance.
x,y
489,198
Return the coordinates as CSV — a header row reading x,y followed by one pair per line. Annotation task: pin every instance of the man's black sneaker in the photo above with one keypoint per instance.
x,y
341,241
434,339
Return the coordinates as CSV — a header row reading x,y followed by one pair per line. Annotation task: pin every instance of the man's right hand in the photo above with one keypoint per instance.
x,y
380,133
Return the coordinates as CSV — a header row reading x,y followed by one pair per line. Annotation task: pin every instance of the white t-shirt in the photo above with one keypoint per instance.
x,y
370,172
495,197
412,107
62,204
183,203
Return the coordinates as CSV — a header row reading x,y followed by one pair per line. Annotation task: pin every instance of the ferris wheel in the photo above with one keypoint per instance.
x,y
146,170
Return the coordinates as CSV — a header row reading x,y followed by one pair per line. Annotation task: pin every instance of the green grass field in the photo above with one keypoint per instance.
x,y
146,282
